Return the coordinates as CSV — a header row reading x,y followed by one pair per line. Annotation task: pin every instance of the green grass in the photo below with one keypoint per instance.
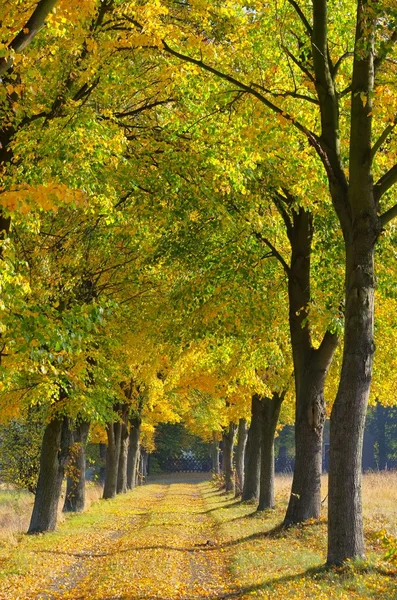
x,y
272,563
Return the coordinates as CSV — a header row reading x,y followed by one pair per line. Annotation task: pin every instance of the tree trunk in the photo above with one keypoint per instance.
x,y
253,452
305,498
139,478
381,417
113,431
228,444
240,451
123,453
143,464
310,369
345,521
215,454
102,469
133,453
53,458
270,413
75,487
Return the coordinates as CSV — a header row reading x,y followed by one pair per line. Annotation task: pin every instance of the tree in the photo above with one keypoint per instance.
x,y
270,414
348,140
75,488
242,433
253,452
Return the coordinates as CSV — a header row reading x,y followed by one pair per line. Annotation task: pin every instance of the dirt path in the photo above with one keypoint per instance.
x,y
159,542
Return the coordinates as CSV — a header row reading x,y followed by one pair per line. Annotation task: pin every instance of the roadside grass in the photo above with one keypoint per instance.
x,y
268,562
16,509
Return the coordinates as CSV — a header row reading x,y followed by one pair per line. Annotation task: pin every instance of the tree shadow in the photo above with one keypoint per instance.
x,y
210,510
205,547
321,573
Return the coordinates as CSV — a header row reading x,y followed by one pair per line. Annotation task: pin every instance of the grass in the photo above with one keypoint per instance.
x,y
16,508
272,563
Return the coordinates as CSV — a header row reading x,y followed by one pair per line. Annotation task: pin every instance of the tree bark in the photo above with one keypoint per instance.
x,y
310,369
358,213
215,454
133,453
345,521
75,487
240,451
113,431
253,452
270,413
53,458
305,498
30,29
139,477
102,469
228,444
381,417
143,465
123,454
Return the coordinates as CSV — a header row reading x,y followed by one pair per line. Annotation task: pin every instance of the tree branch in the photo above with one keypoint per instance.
x,y
274,251
382,138
385,183
28,32
301,15
287,94
339,62
136,111
327,348
250,89
384,49
264,240
299,64
278,200
388,216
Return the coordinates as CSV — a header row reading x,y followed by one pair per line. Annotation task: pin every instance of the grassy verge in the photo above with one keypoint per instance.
x,y
267,562
16,509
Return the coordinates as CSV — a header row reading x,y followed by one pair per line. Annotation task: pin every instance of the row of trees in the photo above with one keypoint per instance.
x,y
189,191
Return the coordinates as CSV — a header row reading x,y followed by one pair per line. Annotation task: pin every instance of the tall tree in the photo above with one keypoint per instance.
x,y
322,77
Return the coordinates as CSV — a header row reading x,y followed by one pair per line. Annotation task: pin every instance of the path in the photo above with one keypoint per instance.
x,y
159,542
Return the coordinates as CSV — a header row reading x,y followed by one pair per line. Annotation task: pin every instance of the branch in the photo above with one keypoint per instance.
x,y
344,92
136,111
301,15
286,94
278,200
327,348
385,183
299,64
384,50
388,216
339,62
28,32
250,89
274,250
265,241
382,138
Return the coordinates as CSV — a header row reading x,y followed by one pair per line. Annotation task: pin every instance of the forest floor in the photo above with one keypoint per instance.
x,y
182,538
